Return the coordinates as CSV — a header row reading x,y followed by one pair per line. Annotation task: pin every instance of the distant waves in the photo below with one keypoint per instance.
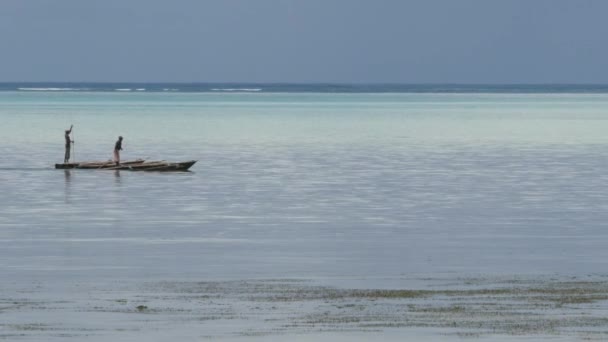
x,y
51,89
86,89
237,89
98,89
305,88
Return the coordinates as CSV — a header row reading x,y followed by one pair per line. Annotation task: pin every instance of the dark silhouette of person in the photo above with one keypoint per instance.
x,y
117,149
68,144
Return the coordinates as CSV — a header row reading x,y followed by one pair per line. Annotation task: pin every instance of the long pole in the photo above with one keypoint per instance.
x,y
73,148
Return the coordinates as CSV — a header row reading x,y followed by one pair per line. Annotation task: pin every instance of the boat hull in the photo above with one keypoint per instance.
x,y
135,165
96,164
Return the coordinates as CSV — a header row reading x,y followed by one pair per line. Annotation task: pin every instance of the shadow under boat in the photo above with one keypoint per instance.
x,y
133,165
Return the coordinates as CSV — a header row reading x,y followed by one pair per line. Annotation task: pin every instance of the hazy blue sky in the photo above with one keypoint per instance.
x,y
459,41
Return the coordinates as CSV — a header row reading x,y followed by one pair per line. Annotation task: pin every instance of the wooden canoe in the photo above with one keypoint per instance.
x,y
95,164
133,165
161,166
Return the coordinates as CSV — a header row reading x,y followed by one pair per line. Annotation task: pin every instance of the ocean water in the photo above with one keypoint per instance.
x,y
303,185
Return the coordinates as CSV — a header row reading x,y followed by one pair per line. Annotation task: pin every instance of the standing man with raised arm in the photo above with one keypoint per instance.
x,y
68,144
117,149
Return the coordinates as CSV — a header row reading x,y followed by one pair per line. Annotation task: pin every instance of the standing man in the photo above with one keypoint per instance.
x,y
68,144
117,148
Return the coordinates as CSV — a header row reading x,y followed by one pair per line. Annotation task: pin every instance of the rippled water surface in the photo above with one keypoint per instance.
x,y
348,190
304,186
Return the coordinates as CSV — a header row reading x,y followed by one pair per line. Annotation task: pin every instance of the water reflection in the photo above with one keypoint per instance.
x,y
117,180
67,174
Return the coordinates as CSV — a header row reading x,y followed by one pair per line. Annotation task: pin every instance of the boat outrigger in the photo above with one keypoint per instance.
x,y
133,165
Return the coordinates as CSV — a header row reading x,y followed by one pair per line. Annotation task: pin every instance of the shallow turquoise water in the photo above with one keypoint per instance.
x,y
304,185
